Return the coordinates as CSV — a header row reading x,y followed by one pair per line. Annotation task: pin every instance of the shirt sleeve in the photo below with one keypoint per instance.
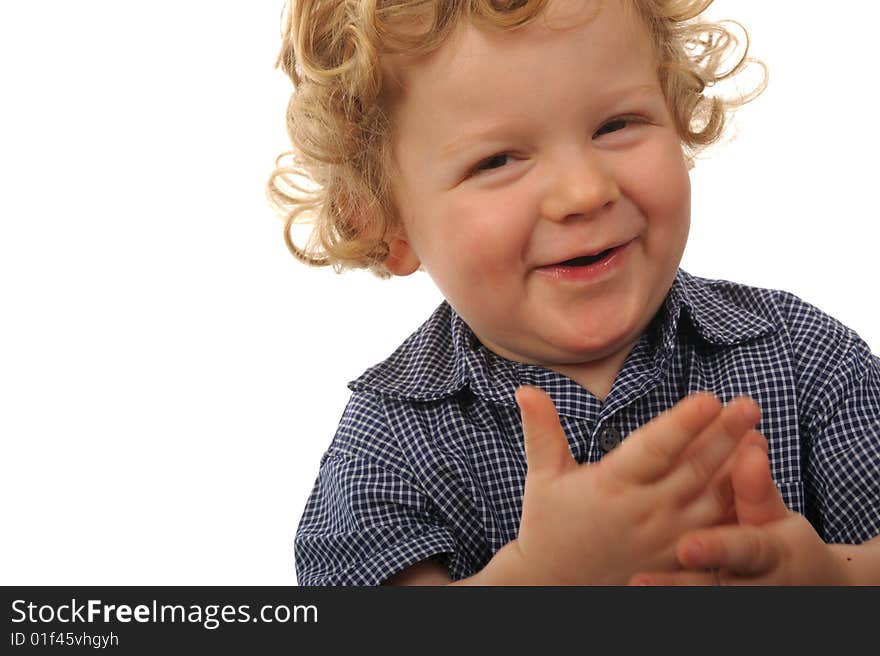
x,y
367,518
843,461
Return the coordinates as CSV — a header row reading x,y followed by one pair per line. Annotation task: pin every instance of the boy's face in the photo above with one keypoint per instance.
x,y
518,150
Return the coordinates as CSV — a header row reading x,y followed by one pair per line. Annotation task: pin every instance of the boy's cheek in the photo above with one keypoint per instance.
x,y
667,177
657,174
486,227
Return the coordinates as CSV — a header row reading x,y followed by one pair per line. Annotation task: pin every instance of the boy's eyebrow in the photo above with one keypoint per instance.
x,y
465,139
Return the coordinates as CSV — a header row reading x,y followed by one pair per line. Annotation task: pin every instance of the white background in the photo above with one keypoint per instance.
x,y
169,375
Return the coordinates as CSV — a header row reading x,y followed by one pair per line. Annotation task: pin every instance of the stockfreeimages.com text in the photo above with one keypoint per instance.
x,y
210,616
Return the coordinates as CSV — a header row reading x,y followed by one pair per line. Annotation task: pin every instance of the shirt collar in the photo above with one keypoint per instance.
x,y
720,312
430,364
443,356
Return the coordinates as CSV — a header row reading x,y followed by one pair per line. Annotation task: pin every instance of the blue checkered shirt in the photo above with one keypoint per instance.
x,y
428,459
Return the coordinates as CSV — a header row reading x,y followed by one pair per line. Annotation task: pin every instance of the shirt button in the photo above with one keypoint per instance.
x,y
609,438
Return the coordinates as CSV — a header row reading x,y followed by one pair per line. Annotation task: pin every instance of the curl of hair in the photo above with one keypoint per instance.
x,y
337,177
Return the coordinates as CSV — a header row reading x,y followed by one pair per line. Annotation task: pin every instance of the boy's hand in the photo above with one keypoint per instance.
x,y
770,546
598,524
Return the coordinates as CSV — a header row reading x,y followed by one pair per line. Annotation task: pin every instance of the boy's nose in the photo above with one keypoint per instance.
x,y
582,187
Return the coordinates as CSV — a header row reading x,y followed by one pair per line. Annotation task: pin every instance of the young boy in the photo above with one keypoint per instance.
x,y
533,158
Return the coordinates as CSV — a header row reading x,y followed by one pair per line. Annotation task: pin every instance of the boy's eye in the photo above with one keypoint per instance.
x,y
501,159
614,125
494,162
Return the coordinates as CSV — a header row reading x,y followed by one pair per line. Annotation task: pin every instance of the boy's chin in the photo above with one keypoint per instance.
x,y
600,343
571,346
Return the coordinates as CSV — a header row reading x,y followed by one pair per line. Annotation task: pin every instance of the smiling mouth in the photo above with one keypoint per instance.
x,y
586,260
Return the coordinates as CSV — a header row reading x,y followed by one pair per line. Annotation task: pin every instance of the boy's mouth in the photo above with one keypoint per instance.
x,y
586,260
586,269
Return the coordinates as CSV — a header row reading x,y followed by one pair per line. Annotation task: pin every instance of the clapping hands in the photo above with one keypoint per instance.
x,y
599,524
769,545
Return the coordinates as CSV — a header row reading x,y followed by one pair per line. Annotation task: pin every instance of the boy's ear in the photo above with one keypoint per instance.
x,y
402,259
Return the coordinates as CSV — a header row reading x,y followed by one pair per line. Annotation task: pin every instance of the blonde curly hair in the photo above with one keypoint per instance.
x,y
337,177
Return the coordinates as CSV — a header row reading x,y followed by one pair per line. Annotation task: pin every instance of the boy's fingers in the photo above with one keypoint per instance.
x,y
720,494
546,446
754,438
714,447
756,497
653,449
743,550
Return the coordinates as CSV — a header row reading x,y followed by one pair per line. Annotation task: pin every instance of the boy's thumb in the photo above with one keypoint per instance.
x,y
756,496
546,446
